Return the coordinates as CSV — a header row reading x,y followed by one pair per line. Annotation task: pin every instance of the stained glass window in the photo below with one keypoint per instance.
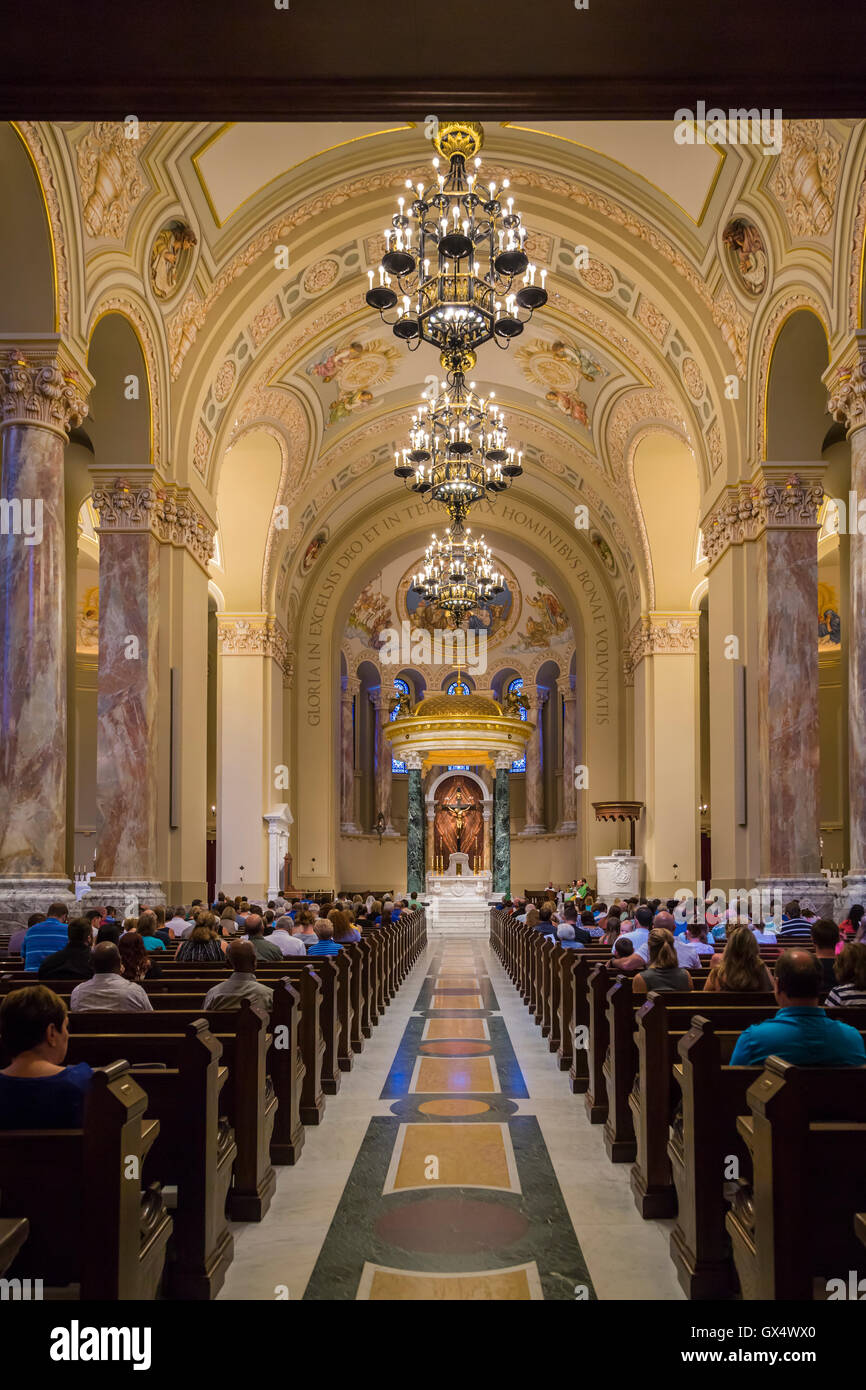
x,y
402,688
519,764
464,689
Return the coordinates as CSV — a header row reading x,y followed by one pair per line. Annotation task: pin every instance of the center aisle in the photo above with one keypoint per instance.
x,y
463,1176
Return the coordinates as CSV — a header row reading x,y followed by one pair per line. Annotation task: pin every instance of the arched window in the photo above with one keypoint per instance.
x,y
402,688
519,764
464,689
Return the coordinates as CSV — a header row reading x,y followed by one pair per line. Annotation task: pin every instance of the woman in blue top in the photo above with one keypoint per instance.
x,y
146,928
36,1090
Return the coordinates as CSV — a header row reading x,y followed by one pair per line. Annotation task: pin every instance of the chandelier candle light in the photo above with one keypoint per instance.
x,y
458,449
456,252
458,573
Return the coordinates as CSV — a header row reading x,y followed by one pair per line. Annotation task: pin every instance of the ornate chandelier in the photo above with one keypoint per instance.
x,y
458,573
458,449
456,252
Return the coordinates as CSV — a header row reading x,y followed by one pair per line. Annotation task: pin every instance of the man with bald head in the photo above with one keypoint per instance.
x,y
801,1032
241,984
264,948
108,991
687,956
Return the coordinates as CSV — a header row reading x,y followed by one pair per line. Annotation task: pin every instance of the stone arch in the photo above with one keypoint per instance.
x,y
31,297
777,316
796,419
127,305
121,425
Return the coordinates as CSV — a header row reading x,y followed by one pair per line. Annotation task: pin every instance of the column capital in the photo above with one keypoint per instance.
x,y
351,688
778,496
381,699
503,761
845,380
660,634
143,501
535,697
413,761
255,634
565,688
43,383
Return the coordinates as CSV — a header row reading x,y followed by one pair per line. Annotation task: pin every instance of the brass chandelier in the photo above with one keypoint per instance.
x,y
456,251
458,449
458,573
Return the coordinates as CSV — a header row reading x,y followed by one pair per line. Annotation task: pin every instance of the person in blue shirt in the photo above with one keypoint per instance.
x,y
801,1032
46,937
565,933
147,928
326,945
36,1090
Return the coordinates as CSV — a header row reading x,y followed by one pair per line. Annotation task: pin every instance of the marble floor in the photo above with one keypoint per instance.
x,y
454,1164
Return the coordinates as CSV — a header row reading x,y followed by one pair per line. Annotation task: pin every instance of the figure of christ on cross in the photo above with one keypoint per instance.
x,y
458,810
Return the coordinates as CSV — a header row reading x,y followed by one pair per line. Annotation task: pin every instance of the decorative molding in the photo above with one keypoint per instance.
x,y
149,504
110,176
43,385
660,634
32,135
784,497
255,634
846,384
806,177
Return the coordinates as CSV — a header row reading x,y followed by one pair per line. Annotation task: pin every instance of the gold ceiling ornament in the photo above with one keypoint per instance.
x,y
471,729
454,256
459,137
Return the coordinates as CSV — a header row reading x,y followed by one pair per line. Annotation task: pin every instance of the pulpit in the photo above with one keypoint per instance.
x,y
458,899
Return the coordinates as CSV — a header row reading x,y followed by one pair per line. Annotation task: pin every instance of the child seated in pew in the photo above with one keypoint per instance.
x,y
740,968
36,1090
801,1032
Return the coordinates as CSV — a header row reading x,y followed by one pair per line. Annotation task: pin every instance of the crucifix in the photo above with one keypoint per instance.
x,y
458,810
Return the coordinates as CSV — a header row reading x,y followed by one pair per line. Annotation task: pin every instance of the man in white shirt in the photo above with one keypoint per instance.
x,y
177,923
687,955
282,936
108,991
639,934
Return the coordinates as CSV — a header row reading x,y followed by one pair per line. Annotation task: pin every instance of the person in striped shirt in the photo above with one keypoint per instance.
x,y
850,987
795,927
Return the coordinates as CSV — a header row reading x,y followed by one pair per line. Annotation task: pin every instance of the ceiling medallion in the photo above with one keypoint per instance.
x,y
458,450
458,574
455,253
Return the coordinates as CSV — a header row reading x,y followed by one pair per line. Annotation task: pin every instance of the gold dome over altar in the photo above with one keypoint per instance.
x,y
458,728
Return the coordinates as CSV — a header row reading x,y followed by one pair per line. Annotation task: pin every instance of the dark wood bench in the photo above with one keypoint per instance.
x,y
90,1222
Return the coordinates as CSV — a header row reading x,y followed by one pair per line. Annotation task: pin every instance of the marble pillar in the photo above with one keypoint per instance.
x,y
415,838
847,381
431,837
568,824
127,746
534,792
487,858
787,575
350,689
381,701
502,826
42,395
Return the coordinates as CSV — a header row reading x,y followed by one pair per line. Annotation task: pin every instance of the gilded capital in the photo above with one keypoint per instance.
x,y
43,386
779,496
845,380
255,634
146,503
660,634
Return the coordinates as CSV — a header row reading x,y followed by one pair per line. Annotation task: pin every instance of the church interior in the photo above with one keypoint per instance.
x,y
432,545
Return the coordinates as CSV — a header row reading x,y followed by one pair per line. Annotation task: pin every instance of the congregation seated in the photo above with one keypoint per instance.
x,y
241,984
325,943
686,954
204,942
795,926
639,933
344,932
545,924
228,921
110,931
285,936
108,990
825,935
73,961
663,971
147,925
15,946
625,960
800,1032
740,968
137,964
46,937
696,936
851,929
565,936
36,1090
849,988
265,949
305,932
176,924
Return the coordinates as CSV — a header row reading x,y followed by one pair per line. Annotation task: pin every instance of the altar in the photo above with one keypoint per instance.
x,y
458,899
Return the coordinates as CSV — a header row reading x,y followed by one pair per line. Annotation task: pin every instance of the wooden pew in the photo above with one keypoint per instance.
x,y
248,1095
792,1230
90,1222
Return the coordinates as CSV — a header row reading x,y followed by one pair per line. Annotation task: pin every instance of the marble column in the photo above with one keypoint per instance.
x,y
415,838
487,858
568,824
350,689
430,845
534,792
42,395
847,381
127,746
381,701
502,826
